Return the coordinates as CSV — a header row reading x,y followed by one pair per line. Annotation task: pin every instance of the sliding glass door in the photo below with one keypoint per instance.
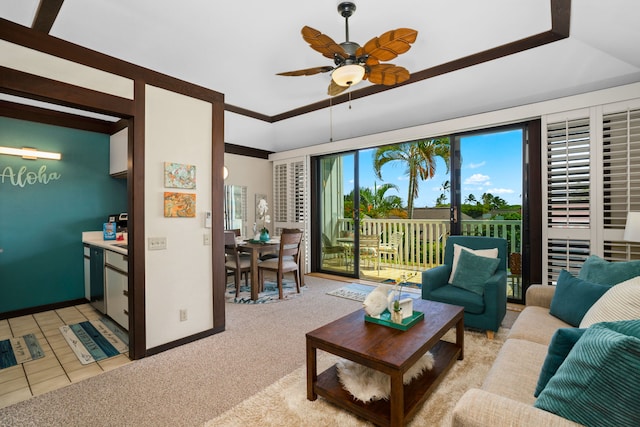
x,y
385,213
337,213
487,192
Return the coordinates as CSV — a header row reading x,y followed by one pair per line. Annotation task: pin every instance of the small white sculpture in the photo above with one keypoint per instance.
x,y
376,302
406,304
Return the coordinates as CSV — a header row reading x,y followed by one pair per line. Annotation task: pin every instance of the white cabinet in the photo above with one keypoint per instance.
x,y
118,153
117,287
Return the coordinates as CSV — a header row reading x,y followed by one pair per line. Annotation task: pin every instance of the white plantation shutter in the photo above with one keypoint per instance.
x,y
621,166
592,180
290,194
291,197
568,178
280,192
567,235
621,251
565,255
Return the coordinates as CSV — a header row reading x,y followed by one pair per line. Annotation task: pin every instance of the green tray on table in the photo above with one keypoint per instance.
x,y
385,320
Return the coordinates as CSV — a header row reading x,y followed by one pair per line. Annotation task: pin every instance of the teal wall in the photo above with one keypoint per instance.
x,y
41,223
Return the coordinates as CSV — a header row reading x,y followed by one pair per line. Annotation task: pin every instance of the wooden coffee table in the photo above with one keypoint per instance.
x,y
388,350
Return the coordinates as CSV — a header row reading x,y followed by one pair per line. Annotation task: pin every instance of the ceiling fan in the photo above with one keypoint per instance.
x,y
354,63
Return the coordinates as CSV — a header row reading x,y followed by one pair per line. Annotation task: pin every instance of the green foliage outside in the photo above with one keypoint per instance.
x,y
419,160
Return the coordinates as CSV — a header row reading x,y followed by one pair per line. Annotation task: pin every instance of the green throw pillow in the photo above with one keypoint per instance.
x,y
597,385
574,297
473,271
598,270
561,344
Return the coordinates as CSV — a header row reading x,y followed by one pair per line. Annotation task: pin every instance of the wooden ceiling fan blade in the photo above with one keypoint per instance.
x,y
335,89
389,45
388,74
322,43
307,71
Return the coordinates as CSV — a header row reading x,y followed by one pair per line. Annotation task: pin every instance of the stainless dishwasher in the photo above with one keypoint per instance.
x,y
96,283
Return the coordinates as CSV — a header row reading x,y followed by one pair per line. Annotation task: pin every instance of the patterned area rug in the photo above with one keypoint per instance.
x,y
359,292
413,285
285,403
19,350
269,294
94,340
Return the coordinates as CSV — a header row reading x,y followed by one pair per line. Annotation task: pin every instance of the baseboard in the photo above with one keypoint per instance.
x,y
41,308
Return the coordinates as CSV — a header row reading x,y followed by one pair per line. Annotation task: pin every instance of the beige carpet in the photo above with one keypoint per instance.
x,y
284,403
194,383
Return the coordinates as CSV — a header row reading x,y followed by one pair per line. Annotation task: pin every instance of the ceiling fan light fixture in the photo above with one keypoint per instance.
x,y
348,75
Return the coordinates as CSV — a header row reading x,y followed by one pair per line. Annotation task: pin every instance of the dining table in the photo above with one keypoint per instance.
x,y
257,249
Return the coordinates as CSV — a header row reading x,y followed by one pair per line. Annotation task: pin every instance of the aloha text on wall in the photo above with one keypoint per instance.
x,y
23,177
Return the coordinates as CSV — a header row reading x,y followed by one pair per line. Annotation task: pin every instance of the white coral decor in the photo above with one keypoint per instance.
x,y
376,302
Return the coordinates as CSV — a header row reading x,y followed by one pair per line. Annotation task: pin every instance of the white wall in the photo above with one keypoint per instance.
x,y
467,123
45,65
256,175
177,130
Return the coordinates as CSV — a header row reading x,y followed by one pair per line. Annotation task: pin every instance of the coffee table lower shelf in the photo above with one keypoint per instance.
x,y
379,412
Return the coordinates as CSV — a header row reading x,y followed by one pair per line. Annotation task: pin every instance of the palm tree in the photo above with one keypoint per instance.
x,y
419,158
374,203
442,198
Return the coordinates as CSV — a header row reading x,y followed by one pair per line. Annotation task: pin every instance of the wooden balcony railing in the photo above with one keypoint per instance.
x,y
420,242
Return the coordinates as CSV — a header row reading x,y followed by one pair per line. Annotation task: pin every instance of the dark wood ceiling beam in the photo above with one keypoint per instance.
x,y
46,15
244,112
51,117
18,34
43,89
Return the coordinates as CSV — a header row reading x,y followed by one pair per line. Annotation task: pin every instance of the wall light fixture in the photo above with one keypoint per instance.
x,y
30,153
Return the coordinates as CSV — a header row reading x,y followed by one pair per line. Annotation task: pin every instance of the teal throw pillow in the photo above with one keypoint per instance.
x,y
597,385
601,271
473,271
561,344
574,297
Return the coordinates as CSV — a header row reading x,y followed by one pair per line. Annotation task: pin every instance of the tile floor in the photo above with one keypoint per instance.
x,y
60,366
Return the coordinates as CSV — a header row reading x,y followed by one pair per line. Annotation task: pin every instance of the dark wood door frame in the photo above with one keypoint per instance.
x,y
31,86
531,196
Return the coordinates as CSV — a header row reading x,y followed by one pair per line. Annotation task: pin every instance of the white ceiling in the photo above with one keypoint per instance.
x,y
237,47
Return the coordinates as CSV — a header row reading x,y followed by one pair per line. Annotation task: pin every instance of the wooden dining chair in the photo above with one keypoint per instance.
x,y
235,261
287,260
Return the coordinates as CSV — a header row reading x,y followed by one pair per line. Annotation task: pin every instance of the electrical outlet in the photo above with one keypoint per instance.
x,y
157,243
183,314
206,239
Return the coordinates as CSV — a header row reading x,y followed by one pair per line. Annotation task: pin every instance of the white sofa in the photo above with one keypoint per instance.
x,y
506,397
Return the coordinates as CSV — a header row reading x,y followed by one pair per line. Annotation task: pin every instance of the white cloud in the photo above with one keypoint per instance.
x,y
476,165
477,179
500,191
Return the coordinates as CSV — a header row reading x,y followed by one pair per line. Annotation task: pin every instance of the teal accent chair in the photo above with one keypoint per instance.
x,y
484,312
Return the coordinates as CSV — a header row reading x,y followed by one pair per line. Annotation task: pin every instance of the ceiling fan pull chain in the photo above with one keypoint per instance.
x,y
330,120
349,97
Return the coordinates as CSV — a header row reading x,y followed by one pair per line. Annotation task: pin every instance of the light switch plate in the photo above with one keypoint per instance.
x,y
157,243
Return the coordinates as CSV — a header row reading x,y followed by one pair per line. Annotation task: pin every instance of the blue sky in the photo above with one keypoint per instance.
x,y
492,163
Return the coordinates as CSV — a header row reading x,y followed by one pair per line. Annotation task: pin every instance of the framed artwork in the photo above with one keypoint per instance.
x,y
179,205
177,175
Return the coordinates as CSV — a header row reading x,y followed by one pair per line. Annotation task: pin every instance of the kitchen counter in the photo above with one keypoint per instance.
x,y
95,238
